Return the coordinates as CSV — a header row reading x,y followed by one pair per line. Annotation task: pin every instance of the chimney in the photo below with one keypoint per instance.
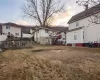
x,y
86,7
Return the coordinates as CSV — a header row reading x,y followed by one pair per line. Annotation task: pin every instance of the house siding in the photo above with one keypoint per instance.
x,y
13,30
42,37
3,37
90,31
70,37
93,34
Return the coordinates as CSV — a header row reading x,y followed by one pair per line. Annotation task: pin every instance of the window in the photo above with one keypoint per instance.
x,y
83,34
8,33
77,24
16,34
4,33
75,36
7,27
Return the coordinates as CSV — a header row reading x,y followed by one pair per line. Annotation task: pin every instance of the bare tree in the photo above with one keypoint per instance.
x,y
42,10
88,4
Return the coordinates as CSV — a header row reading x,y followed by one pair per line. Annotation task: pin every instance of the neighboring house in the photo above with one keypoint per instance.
x,y
81,29
27,31
49,35
12,29
18,31
2,37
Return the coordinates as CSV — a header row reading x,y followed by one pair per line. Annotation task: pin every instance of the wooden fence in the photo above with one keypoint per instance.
x,y
11,44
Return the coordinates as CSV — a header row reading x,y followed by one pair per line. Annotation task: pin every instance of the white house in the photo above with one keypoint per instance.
x,y
47,35
82,29
12,29
27,31
18,31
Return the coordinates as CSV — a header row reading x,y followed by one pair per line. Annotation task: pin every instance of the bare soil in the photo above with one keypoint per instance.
x,y
50,63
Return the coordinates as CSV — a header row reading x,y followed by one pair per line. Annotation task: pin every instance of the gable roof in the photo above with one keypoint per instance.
x,y
75,29
56,29
11,24
60,29
17,25
84,14
26,28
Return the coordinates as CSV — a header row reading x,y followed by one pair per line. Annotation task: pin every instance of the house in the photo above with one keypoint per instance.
x,y
27,31
82,29
49,35
11,28
16,30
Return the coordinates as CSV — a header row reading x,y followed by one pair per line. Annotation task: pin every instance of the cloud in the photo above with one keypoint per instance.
x,y
62,18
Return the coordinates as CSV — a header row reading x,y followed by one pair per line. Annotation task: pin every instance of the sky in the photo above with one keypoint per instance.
x,y
10,11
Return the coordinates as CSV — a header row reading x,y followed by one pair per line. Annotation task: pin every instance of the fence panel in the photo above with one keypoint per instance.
x,y
15,44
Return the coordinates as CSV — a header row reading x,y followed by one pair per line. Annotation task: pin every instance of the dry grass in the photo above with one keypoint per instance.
x,y
50,63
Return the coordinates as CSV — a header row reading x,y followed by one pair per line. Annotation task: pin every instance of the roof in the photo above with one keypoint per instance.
x,y
17,25
86,13
25,28
75,29
61,29
58,29
12,24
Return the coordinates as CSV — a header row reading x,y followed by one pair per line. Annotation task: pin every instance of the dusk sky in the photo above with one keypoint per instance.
x,y
10,11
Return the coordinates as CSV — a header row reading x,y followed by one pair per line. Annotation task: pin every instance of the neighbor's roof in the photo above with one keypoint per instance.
x,y
12,24
75,29
17,25
57,28
53,28
86,13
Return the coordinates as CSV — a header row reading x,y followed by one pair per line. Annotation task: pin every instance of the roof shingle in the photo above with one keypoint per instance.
x,y
61,29
84,14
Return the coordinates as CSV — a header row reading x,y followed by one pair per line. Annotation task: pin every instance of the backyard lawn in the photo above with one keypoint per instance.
x,y
50,63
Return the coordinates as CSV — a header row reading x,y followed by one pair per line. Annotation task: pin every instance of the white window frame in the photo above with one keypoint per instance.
x,y
7,27
75,36
16,34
